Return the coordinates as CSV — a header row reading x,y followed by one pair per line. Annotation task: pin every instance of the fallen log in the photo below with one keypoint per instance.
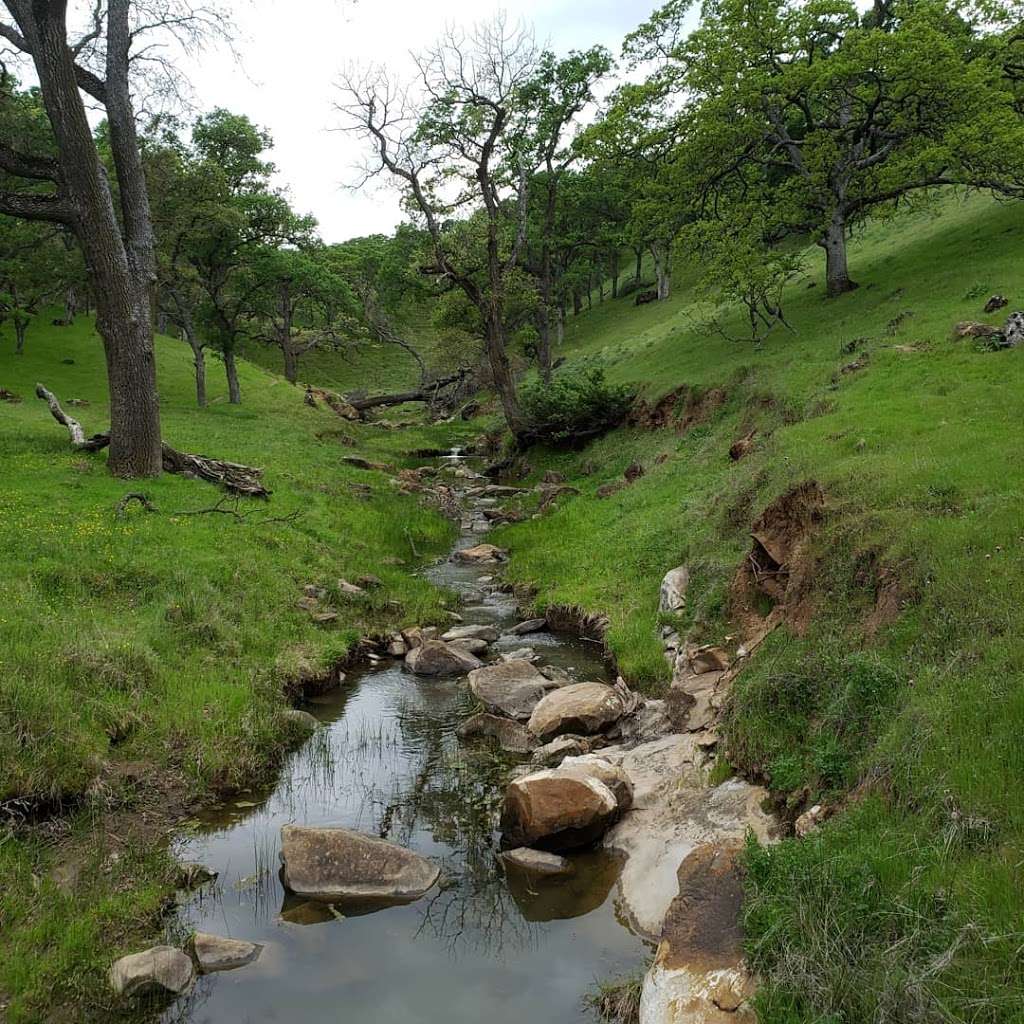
x,y
232,476
424,393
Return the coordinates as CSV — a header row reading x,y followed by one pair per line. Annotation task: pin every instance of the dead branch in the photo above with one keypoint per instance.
x,y
78,439
223,508
232,476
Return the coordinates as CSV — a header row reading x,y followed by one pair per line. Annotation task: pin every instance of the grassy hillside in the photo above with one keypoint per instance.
x,y
374,367
145,658
895,692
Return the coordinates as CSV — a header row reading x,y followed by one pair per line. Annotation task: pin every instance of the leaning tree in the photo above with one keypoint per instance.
x,y
115,235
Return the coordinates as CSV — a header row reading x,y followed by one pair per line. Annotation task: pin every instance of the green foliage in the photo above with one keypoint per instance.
x,y
163,640
906,906
574,406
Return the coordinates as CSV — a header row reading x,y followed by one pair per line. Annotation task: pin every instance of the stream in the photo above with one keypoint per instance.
x,y
479,947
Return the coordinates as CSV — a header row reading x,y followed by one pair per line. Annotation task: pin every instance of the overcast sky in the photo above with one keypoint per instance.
x,y
292,51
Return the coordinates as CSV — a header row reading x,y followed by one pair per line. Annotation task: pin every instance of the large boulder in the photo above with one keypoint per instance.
x,y
436,658
511,735
216,953
510,688
332,864
481,632
581,708
160,970
556,809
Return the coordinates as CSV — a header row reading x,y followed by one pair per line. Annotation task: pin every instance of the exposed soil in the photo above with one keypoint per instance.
x,y
780,568
681,409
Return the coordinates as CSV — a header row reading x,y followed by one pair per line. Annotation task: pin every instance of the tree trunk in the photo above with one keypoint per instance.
x,y
837,274
70,305
199,361
124,318
662,272
501,371
291,362
639,265
613,267
544,342
20,327
577,303
559,325
231,369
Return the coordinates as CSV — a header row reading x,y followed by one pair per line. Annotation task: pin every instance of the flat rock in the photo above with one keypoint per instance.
x,y
554,810
538,862
511,688
699,965
216,953
471,646
577,708
436,658
510,734
162,969
486,633
673,812
330,863
480,554
529,626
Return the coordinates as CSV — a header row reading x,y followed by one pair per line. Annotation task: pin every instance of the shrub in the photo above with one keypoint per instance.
x,y
573,408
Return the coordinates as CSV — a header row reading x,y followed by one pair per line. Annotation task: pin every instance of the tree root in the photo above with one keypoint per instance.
x,y
121,508
232,476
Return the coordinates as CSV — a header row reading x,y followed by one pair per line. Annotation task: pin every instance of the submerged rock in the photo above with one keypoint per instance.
x,y
162,969
537,862
520,654
192,874
579,708
511,735
511,688
529,626
300,720
216,953
436,658
330,863
554,810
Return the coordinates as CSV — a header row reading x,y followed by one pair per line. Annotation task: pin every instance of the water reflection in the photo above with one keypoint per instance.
x,y
479,946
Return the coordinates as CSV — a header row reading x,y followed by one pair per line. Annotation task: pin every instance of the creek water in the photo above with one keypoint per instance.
x,y
482,946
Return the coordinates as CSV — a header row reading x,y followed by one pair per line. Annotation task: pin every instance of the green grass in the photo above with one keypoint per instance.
x,y
165,639
910,907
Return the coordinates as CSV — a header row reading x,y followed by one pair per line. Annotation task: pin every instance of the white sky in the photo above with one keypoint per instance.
x,y
291,53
